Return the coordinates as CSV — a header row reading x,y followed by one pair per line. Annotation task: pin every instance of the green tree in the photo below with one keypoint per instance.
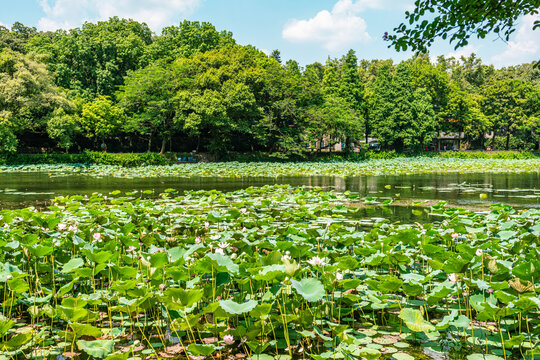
x,y
402,117
93,60
16,38
101,119
503,103
458,20
8,140
187,39
27,93
64,127
149,97
463,113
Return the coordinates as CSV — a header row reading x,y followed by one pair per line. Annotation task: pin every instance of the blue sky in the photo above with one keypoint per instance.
x,y
304,30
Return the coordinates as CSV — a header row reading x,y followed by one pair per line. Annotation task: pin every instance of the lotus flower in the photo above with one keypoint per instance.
x,y
453,278
339,276
229,339
455,235
197,240
316,261
62,226
479,252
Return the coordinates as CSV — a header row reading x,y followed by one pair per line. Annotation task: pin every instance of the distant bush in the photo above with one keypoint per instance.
x,y
487,155
90,157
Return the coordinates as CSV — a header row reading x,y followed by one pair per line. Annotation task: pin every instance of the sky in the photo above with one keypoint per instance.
x,y
303,30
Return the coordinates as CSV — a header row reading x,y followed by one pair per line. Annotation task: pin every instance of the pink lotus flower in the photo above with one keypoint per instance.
x,y
229,339
479,252
339,276
455,235
453,278
197,240
62,226
96,236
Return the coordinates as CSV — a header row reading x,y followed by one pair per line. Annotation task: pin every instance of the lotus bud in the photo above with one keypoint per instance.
x,y
479,252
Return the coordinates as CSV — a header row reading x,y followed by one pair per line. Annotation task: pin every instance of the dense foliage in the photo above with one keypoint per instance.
x,y
115,85
270,273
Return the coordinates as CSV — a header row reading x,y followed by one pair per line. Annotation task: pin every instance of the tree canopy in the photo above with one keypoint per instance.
x,y
192,87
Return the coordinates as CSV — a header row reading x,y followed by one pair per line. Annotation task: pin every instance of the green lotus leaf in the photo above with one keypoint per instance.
x,y
483,357
235,308
415,320
178,299
201,350
224,262
96,348
72,265
16,341
370,354
310,289
85,330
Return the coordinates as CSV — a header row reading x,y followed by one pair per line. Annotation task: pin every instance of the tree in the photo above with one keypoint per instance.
x,y
17,38
187,39
64,128
101,119
463,113
402,117
503,102
8,140
381,107
27,93
221,100
276,55
93,60
334,121
458,20
149,97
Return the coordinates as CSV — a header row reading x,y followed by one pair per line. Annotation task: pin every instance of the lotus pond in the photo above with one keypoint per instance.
x,y
272,272
411,165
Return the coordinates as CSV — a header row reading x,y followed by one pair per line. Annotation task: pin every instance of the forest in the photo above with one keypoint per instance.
x,y
116,83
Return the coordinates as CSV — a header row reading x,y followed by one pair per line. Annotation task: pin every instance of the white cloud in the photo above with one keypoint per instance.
x,y
465,51
340,27
66,14
524,48
335,29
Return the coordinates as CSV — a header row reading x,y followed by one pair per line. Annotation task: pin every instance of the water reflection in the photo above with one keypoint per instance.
x,y
21,189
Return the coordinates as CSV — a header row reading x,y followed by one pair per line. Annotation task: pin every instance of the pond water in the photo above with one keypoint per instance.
x,y
460,190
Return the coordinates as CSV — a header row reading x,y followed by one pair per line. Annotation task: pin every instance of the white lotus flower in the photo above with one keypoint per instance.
x,y
316,261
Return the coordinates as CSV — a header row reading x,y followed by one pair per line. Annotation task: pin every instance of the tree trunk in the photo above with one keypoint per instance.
x,y
163,144
507,140
149,144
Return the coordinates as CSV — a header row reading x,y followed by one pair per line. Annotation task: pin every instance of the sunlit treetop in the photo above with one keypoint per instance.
x,y
457,21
